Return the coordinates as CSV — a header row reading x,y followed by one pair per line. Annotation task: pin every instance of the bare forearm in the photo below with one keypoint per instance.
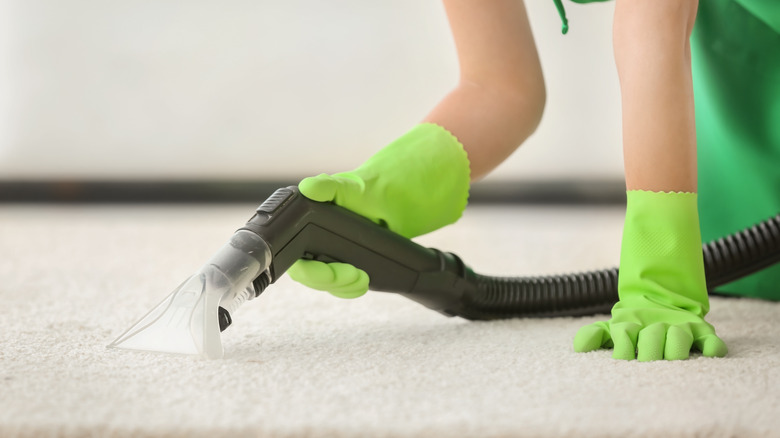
x,y
490,126
652,53
499,99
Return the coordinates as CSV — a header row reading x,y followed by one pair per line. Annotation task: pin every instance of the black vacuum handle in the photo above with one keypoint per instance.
x,y
296,227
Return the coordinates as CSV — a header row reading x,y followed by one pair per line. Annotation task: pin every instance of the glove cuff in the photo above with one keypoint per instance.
x,y
661,255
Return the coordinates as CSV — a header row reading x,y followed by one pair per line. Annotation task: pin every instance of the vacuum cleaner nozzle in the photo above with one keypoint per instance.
x,y
190,319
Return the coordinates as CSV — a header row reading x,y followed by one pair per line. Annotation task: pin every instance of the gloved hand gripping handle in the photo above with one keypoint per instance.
x,y
295,227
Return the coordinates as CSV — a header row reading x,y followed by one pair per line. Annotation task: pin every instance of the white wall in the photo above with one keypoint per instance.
x,y
173,89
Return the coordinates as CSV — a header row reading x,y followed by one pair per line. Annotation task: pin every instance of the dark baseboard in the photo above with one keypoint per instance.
x,y
605,192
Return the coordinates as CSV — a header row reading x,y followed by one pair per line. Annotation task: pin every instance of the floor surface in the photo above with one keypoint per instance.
x,y
301,363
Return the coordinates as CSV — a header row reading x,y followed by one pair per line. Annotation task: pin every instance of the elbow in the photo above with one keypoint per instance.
x,y
525,103
515,107
496,116
523,98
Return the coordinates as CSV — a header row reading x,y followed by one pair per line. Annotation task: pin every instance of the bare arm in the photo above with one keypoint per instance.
x,y
652,52
500,96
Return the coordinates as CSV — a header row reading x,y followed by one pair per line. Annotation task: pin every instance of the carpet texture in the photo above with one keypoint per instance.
x,y
300,363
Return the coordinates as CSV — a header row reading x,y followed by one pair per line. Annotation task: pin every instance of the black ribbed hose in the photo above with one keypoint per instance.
x,y
588,293
294,227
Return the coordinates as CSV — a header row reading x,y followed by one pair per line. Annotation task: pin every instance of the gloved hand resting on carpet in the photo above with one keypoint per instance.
x,y
662,290
415,185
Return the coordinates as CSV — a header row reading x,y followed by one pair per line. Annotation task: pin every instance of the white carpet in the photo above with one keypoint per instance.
x,y
301,363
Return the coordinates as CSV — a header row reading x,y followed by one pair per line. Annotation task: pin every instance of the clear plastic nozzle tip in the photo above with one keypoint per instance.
x,y
188,320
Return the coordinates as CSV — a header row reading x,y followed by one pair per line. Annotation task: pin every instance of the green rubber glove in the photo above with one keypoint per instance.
x,y
415,185
662,290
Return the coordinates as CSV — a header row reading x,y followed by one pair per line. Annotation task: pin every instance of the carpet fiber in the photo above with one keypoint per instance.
x,y
301,363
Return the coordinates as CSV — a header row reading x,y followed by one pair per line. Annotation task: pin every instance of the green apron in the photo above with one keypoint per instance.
x,y
736,79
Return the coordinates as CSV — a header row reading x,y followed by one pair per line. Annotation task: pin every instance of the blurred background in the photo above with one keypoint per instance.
x,y
142,95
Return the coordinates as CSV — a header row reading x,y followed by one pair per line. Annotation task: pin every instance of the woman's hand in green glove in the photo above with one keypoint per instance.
x,y
415,185
663,294
650,331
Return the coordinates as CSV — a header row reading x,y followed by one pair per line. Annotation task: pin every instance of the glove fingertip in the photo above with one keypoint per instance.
x,y
650,343
713,346
624,337
355,289
590,338
301,270
349,293
320,188
679,341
